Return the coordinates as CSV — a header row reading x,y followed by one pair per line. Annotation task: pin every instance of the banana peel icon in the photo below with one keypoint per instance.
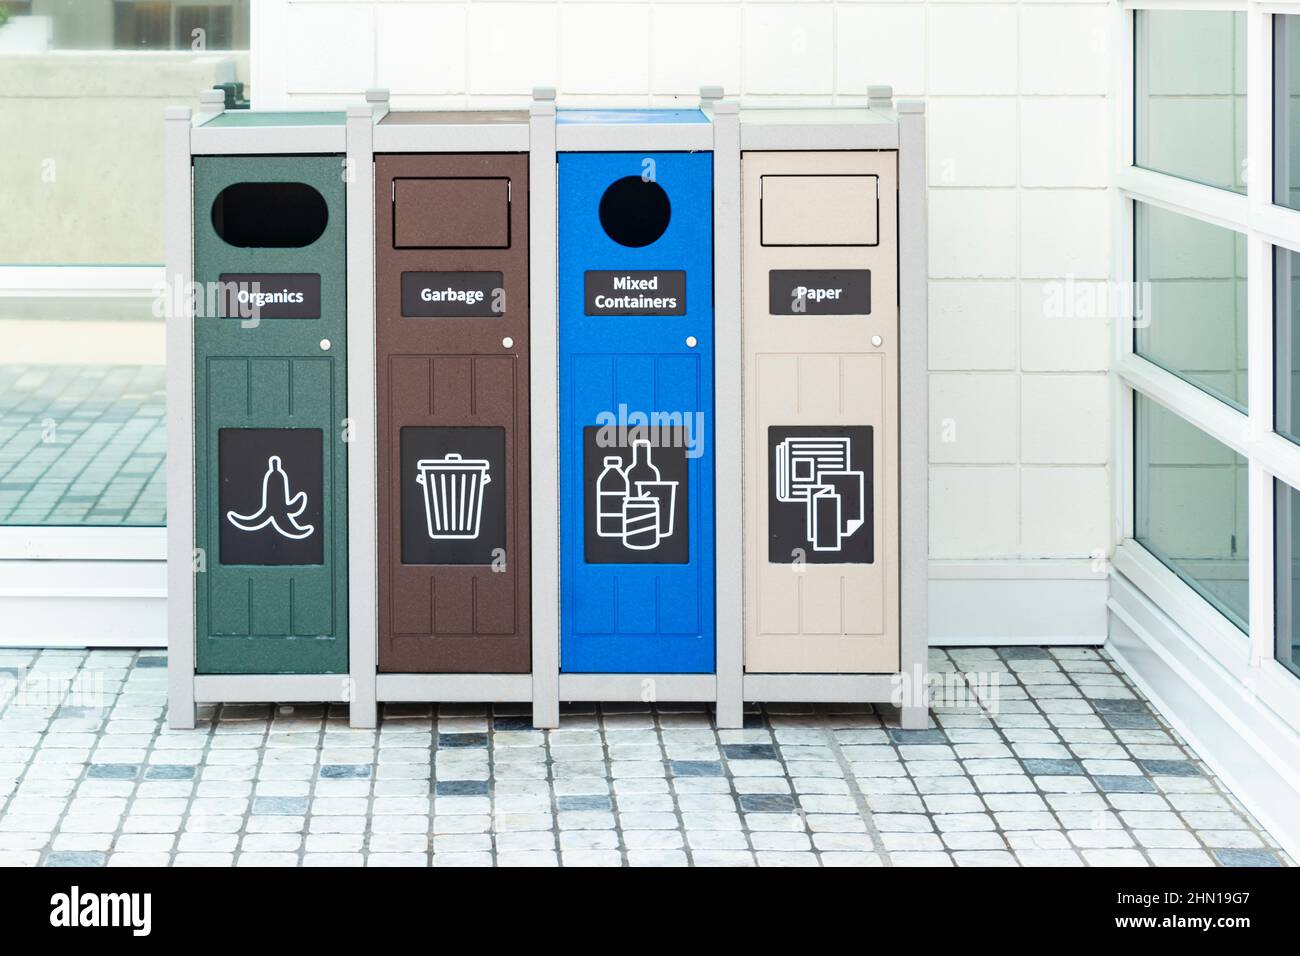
x,y
279,509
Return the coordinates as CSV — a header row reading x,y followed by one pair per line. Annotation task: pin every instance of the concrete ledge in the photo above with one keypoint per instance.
x,y
83,604
977,603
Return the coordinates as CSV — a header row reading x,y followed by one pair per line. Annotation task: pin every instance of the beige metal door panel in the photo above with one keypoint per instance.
x,y
819,210
815,381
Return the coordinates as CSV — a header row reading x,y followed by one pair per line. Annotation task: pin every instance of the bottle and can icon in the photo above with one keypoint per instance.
x,y
633,502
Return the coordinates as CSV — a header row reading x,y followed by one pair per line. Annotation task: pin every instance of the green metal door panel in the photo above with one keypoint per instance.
x,y
271,597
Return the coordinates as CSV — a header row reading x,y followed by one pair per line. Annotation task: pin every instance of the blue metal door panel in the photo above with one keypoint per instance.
x,y
654,612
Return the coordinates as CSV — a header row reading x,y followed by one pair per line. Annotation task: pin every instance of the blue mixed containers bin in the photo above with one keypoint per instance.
x,y
636,337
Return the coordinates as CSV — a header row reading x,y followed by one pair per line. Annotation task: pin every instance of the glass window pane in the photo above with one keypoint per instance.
x,y
1192,282
1286,343
82,430
104,69
131,24
1189,74
81,372
1286,111
1287,577
1190,507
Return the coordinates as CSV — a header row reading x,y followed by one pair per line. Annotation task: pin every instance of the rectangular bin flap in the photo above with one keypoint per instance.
x,y
451,213
819,211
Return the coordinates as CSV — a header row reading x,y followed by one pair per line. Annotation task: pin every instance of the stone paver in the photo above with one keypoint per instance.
x,y
1035,757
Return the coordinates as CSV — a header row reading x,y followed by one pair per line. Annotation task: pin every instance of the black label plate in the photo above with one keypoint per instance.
x,y
453,295
271,495
283,295
655,292
453,494
819,498
819,291
635,489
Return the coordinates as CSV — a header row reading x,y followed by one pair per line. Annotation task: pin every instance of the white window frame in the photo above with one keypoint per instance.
x,y
1248,658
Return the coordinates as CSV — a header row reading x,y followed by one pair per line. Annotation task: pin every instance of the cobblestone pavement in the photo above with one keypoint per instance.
x,y
1058,762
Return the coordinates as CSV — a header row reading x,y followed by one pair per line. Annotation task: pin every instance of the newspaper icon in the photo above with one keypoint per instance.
x,y
815,471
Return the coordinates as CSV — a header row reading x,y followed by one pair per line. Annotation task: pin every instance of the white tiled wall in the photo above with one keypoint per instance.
x,y
1020,133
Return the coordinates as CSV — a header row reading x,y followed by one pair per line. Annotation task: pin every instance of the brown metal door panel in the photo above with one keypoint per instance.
x,y
452,387
451,212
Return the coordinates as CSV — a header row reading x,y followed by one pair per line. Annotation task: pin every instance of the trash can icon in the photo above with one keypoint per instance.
x,y
453,495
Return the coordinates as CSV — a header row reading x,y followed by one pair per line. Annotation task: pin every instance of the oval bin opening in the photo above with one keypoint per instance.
x,y
269,215
634,211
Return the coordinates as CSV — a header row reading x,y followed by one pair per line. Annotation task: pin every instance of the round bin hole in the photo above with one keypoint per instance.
x,y
634,212
508,342
691,341
877,341
325,344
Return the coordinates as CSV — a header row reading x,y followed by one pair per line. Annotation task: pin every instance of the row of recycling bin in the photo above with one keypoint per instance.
x,y
513,397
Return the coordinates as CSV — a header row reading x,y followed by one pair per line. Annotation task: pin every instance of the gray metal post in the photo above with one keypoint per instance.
x,y
728,405
913,413
182,562
211,103
361,426
544,408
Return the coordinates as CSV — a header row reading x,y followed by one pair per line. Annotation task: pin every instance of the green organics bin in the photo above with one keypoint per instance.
x,y
270,470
